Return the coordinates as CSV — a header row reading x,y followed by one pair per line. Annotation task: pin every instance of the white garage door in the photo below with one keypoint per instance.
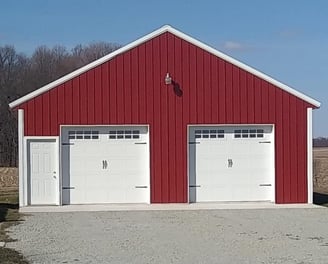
x,y
231,163
105,165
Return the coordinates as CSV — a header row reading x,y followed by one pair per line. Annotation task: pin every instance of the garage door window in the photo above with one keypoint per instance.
x,y
124,134
209,133
83,134
249,133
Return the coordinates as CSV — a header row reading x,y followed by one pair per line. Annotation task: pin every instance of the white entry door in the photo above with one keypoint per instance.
x,y
105,164
231,163
42,174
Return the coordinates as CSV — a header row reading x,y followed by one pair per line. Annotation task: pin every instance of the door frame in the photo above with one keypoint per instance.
x,y
61,167
272,154
27,189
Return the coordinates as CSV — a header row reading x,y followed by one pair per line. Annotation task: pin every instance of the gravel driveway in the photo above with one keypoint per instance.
x,y
202,236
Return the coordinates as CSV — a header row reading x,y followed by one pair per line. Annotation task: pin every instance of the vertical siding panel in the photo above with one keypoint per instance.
x,y
258,100
53,113
164,121
279,153
120,89
157,118
98,96
286,149
61,105
222,92
127,87
301,151
186,114
134,87
207,89
193,84
31,118
243,97
149,117
172,124
229,94
215,89
179,122
76,101
272,103
38,115
250,99
84,99
26,116
142,85
293,149
265,102
46,114
112,93
236,95
105,93
68,99
91,96
304,147
200,85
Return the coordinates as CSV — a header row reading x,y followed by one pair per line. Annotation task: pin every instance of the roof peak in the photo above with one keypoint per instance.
x,y
159,31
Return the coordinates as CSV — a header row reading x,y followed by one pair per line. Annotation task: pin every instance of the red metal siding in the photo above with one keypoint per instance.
x,y
130,89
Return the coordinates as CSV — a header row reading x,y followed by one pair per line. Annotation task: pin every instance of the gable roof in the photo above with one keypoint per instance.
x,y
151,35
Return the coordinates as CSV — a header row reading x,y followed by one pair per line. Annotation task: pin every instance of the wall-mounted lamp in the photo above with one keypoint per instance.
x,y
168,79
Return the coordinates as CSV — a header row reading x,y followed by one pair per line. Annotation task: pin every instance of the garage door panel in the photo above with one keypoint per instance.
x,y
106,168
232,167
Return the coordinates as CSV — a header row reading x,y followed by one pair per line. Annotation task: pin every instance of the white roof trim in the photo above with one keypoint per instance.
x,y
148,37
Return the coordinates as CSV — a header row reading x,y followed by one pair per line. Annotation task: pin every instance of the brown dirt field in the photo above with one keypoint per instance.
x,y
8,179
320,170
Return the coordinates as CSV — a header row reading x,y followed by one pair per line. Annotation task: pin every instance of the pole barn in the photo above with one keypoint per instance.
x,y
165,119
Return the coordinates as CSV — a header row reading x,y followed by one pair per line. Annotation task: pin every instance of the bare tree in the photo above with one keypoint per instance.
x,y
20,75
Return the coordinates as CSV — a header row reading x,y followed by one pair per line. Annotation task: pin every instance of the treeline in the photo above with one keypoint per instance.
x,y
320,142
21,74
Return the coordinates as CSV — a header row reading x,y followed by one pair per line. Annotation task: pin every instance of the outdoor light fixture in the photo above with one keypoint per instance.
x,y
168,79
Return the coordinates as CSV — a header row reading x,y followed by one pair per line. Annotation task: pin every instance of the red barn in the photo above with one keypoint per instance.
x,y
165,119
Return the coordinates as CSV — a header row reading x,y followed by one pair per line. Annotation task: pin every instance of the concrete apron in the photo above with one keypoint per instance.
x,y
163,207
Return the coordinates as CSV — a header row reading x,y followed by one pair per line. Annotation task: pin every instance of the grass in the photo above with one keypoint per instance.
x,y
9,216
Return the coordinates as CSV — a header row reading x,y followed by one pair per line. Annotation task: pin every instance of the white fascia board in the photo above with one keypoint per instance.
x,y
86,67
245,67
155,33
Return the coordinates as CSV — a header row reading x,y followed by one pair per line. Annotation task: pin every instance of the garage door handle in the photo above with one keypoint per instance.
x,y
230,163
105,164
265,142
194,186
139,187
266,184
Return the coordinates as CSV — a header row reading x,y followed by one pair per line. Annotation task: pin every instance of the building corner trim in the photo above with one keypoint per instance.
x,y
22,200
309,156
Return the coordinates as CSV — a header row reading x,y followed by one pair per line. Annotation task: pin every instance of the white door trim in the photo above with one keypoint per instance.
x,y
36,138
273,195
102,125
309,156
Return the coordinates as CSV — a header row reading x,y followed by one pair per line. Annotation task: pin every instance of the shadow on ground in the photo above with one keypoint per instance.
x,y
320,198
4,207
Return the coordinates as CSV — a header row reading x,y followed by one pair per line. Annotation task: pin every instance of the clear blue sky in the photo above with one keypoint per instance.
x,y
286,39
